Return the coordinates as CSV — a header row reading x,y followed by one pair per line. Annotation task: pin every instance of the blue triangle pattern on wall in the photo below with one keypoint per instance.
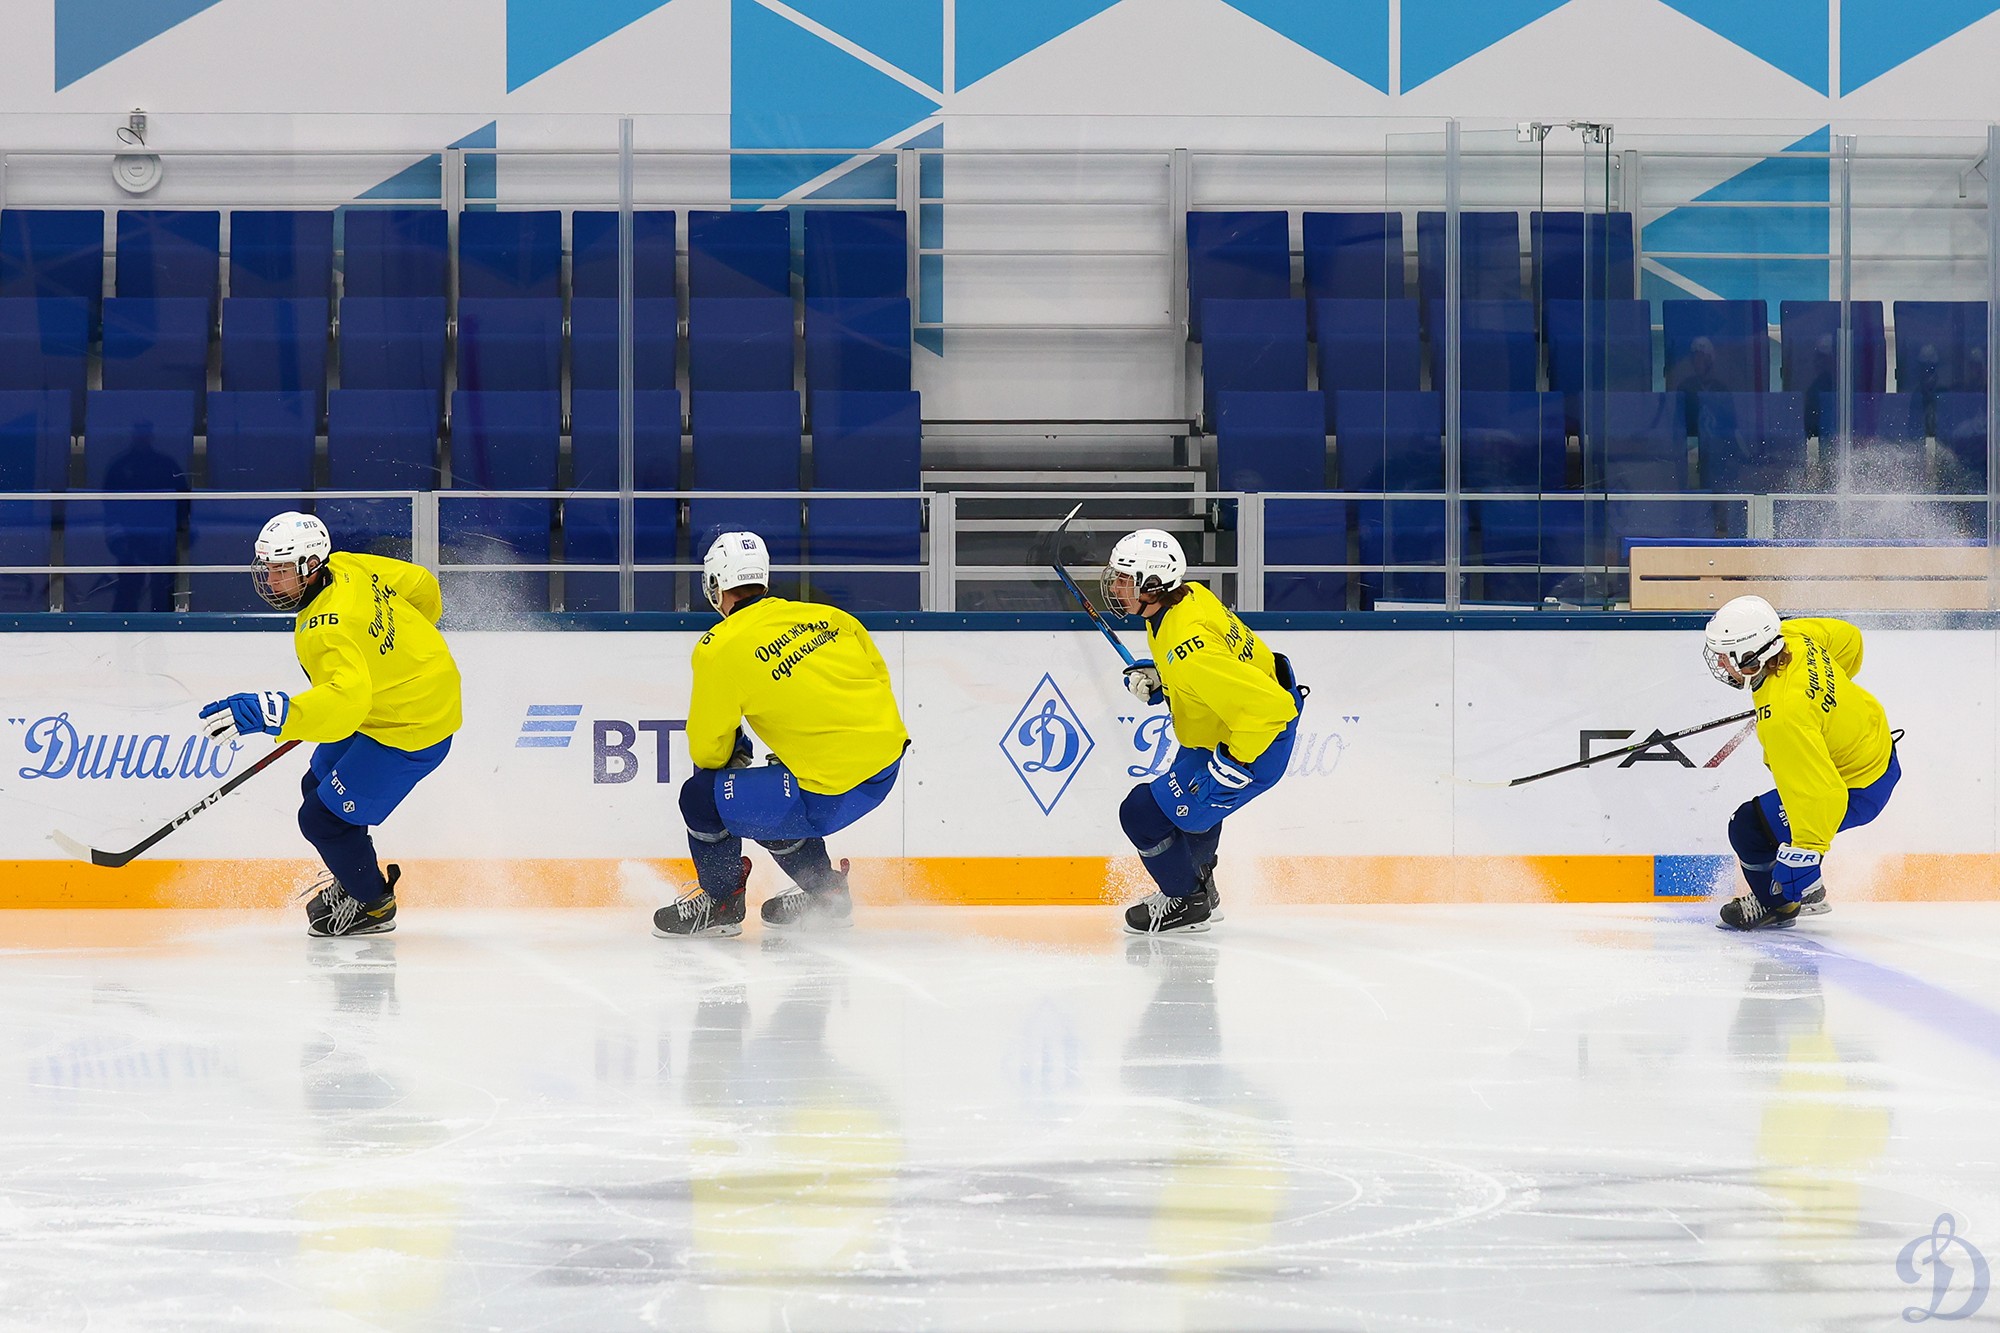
x,y
1679,241
1791,34
90,34
423,181
995,33
789,89
541,34
909,34
1353,34
1437,34
1878,35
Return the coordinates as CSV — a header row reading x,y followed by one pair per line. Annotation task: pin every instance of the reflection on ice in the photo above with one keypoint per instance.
x,y
1502,1118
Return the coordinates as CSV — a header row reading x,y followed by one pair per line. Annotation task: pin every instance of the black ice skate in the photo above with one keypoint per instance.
x,y
1159,914
333,911
1746,913
1815,903
699,914
826,908
1205,884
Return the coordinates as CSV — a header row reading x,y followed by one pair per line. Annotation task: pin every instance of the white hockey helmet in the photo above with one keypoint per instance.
x,y
298,540
1152,559
1743,633
734,560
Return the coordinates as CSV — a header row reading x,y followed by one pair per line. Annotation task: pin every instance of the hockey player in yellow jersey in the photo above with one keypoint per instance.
x,y
1235,707
383,706
1826,741
808,680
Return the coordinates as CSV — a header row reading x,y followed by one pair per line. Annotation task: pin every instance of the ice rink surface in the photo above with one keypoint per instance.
x,y
1494,1118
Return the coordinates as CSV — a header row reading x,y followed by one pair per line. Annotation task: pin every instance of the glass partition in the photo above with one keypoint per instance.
x,y
1368,365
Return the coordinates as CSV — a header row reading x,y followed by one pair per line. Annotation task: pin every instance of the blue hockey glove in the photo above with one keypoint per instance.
x,y
1143,679
741,756
1795,873
246,714
1229,773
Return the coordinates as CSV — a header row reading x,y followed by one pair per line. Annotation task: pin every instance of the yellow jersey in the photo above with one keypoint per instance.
x,y
1822,734
808,680
370,645
1220,679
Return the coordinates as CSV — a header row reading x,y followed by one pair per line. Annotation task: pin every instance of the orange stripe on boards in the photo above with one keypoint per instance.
x,y
1453,879
975,881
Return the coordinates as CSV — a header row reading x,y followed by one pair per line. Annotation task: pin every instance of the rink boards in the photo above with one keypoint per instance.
x,y
561,787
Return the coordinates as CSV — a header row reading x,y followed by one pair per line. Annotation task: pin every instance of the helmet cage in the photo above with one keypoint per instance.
x,y
307,567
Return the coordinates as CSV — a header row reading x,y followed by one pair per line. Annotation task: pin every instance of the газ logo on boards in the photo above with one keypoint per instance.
x,y
1659,750
1046,743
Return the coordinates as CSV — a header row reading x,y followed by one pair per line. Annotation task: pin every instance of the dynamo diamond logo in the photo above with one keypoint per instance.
x,y
1047,744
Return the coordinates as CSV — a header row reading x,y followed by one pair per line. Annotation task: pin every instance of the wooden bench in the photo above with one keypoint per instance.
x,y
1793,578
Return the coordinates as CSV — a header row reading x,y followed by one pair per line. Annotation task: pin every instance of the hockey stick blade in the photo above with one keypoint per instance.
x,y
1620,753
113,860
1056,563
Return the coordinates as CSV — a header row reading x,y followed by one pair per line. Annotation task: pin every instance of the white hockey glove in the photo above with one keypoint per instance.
x,y
1796,872
246,714
1142,678
1229,772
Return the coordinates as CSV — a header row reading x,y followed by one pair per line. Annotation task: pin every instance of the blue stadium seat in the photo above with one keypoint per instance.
x,y
1575,262
747,442
156,343
53,252
1640,443
281,252
257,441
1252,344
134,440
45,344
739,254
394,252
1887,452
590,527
1961,437
510,254
1513,442
1560,538
1519,442
1501,355
867,441
170,252
1354,257
593,268
378,440
392,343
34,456
275,345
501,441
510,345
1600,346
1716,347
1277,442
1236,256
740,344
1751,443
1643,447
1395,442
859,343
856,252
593,342
1808,361
1366,345
1940,347
1489,257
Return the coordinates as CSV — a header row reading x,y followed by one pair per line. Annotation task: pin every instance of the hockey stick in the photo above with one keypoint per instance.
x,y
112,860
1076,592
1646,744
